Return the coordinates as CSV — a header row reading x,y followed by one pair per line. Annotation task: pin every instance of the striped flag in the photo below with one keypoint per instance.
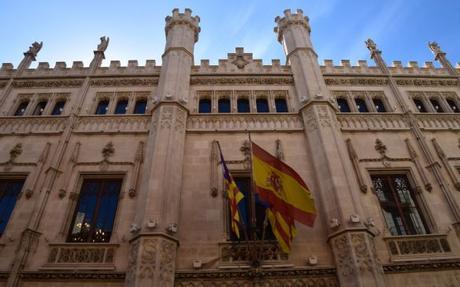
x,y
286,194
234,196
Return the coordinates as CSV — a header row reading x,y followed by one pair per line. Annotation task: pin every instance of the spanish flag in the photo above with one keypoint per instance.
x,y
234,196
286,194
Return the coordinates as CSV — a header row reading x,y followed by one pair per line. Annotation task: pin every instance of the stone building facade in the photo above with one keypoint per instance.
x,y
110,176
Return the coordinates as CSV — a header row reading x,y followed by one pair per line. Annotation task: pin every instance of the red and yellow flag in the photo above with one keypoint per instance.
x,y
286,194
234,196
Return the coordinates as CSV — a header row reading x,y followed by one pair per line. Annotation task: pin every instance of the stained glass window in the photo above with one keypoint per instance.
x,y
399,204
95,212
9,191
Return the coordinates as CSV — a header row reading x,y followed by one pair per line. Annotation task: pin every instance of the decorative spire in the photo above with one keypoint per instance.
x,y
34,49
372,47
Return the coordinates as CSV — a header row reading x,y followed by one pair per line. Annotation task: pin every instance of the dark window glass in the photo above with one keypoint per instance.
x,y
21,108
58,108
399,205
102,107
122,106
95,212
379,106
343,105
9,191
243,106
420,106
140,106
245,208
40,108
437,107
262,106
361,105
452,105
204,106
281,105
224,105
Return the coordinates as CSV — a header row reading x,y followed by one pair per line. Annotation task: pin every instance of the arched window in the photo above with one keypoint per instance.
x,y
420,106
21,108
243,106
224,105
452,105
262,105
361,105
58,108
121,107
379,106
437,107
281,105
140,106
343,105
102,107
39,108
204,106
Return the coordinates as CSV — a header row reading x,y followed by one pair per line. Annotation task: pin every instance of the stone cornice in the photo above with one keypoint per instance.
x,y
48,83
72,275
125,82
424,266
378,80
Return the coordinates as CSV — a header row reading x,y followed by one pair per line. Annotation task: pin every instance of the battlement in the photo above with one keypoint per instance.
x,y
79,69
240,62
397,68
290,19
185,18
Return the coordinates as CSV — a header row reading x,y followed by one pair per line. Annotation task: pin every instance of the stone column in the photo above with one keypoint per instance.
x,y
153,248
337,191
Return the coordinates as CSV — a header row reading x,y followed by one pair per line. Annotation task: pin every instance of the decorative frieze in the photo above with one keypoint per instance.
x,y
427,82
32,125
113,124
238,122
81,255
248,80
355,81
124,82
431,265
418,246
438,121
71,275
56,83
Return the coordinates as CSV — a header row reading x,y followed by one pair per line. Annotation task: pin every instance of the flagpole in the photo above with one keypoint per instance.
x,y
254,253
241,223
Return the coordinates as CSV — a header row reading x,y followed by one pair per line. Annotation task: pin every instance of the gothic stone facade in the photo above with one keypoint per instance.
x,y
378,146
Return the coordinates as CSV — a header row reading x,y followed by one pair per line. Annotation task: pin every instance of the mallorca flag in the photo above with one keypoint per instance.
x,y
286,194
234,196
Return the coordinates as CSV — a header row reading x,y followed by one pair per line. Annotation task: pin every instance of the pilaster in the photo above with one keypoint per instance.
x,y
336,188
153,251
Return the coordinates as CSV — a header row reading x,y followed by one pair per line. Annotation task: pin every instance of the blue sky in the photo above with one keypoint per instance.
x,y
70,30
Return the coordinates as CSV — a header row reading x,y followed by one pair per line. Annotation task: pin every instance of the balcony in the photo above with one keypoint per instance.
x,y
81,255
246,253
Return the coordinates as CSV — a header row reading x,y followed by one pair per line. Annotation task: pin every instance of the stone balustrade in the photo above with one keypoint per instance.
x,y
81,255
418,247
245,252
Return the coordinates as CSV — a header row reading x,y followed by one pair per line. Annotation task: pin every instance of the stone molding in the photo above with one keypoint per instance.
x,y
239,122
54,83
424,266
112,124
125,82
81,255
415,247
71,275
242,80
32,125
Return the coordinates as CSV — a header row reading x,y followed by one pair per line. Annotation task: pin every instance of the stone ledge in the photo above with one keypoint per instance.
x,y
425,266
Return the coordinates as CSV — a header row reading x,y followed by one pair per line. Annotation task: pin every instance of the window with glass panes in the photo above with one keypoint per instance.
x,y
342,103
399,204
250,204
9,192
95,211
204,106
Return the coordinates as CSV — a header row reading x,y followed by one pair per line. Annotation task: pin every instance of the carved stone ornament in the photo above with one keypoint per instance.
x,y
107,152
264,80
370,44
103,45
64,83
34,49
380,147
434,47
14,153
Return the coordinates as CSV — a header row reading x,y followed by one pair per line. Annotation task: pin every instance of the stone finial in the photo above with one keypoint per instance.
x,y
34,49
103,45
434,47
370,44
289,18
185,18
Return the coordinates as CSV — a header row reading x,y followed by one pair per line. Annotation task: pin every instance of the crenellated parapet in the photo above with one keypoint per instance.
x,y
290,19
412,68
240,62
185,18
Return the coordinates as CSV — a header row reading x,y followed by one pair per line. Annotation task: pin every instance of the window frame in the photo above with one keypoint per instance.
x,y
199,105
122,176
14,176
419,200
98,101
